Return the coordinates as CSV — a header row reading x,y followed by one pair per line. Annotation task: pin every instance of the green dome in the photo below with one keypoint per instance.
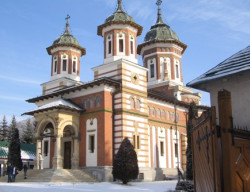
x,y
66,38
160,31
119,15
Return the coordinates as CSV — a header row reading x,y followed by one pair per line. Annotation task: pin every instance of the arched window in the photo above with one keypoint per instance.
x,y
163,114
92,102
138,104
158,113
132,103
74,64
98,101
86,103
168,115
64,63
153,112
55,64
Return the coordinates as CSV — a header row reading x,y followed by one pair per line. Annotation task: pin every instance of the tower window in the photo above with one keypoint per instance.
x,y
55,66
152,71
64,65
120,45
74,66
177,71
109,48
132,47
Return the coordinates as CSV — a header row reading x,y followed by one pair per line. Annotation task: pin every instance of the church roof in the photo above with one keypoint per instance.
x,y
60,92
119,17
237,63
28,151
66,39
160,32
57,104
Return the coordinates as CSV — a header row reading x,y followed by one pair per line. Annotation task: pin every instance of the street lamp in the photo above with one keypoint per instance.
x,y
177,140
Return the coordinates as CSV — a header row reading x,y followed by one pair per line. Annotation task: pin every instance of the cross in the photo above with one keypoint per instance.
x,y
67,18
158,3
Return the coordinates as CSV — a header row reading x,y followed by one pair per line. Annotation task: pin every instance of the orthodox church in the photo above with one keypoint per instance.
x,y
81,125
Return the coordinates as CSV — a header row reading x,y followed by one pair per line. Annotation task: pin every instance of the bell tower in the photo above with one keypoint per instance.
x,y
119,32
65,54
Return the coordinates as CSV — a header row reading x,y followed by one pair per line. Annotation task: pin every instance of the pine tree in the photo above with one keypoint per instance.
x,y
125,165
192,113
11,128
14,155
4,130
28,133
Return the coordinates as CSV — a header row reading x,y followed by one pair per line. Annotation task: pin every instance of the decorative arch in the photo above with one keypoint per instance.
x,y
42,124
65,123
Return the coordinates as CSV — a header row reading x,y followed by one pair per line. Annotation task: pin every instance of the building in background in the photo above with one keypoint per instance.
x,y
82,124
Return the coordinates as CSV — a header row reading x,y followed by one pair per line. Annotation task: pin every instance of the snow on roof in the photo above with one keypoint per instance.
x,y
236,63
28,151
57,103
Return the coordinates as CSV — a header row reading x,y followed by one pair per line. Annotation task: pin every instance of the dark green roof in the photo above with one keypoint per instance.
x,y
28,151
66,39
160,31
119,17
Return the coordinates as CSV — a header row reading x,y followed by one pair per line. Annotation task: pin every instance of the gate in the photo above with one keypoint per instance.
x,y
221,154
206,153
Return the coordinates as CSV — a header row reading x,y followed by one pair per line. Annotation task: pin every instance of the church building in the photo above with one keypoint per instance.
x,y
80,125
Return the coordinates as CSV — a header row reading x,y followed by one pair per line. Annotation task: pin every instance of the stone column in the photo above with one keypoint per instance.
x,y
57,159
38,151
75,158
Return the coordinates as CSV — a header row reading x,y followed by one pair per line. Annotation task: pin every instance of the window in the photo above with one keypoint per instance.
x,y
98,101
132,103
109,47
176,149
74,67
136,141
120,45
177,71
168,115
85,103
163,114
132,47
148,110
152,71
46,148
153,112
138,104
92,143
55,66
92,102
162,148
159,113
64,64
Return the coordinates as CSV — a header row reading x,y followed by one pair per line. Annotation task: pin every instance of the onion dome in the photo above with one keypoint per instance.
x,y
66,40
119,17
160,31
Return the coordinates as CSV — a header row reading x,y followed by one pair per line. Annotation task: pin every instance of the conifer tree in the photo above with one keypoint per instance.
x,y
4,129
192,113
28,133
125,165
14,155
11,128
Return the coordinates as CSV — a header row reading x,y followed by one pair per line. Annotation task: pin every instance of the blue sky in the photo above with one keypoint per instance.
x,y
212,29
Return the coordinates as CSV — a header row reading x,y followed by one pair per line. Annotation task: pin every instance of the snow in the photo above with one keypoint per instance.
x,y
157,186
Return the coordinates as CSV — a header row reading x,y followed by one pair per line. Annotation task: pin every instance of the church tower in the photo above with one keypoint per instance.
x,y
119,32
65,61
162,52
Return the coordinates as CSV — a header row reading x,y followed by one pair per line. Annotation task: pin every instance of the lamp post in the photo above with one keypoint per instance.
x,y
177,140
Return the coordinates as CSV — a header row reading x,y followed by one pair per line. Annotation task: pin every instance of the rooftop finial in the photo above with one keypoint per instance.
x,y
159,18
67,23
119,5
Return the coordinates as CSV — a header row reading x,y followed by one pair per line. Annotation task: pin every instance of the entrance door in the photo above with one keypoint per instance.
x,y
67,155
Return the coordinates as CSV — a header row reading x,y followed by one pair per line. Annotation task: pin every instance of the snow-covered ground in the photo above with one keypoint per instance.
x,y
158,186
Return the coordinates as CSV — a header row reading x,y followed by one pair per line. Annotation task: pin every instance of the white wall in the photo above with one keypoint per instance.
x,y
91,128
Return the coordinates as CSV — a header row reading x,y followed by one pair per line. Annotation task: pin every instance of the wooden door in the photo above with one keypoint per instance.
x,y
67,155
